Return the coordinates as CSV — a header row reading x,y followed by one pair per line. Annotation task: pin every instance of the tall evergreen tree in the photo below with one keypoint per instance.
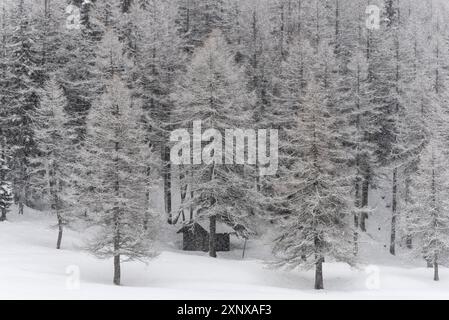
x,y
114,171
51,172
23,75
5,160
212,91
428,218
314,192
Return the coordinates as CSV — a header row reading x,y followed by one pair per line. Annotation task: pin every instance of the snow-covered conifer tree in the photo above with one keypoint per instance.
x,y
5,184
24,72
314,192
51,170
118,181
114,170
428,216
213,91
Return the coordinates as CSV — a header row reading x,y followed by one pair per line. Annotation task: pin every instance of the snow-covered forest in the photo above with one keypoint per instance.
x,y
357,91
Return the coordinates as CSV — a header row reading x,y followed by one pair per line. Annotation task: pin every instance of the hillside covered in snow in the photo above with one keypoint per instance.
x,y
31,268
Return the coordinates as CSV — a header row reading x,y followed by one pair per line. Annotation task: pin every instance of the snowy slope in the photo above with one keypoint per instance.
x,y
30,268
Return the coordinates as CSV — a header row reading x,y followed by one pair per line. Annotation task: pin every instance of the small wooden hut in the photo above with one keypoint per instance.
x,y
195,237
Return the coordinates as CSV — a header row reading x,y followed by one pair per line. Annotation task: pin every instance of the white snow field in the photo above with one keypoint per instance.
x,y
30,268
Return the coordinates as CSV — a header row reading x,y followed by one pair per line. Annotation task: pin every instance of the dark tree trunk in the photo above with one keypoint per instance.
x,y
117,222
244,249
356,216
167,184
117,270
212,232
117,248
184,186
3,174
436,276
408,237
365,193
319,285
191,197
394,214
191,207
319,259
60,228
147,197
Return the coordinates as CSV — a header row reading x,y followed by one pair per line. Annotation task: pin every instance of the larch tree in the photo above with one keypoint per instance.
x,y
116,161
23,73
212,91
428,216
51,170
5,159
118,180
349,79
314,188
315,192
414,95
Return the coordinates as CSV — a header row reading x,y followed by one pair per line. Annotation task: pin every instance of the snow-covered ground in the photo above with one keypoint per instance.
x,y
31,268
